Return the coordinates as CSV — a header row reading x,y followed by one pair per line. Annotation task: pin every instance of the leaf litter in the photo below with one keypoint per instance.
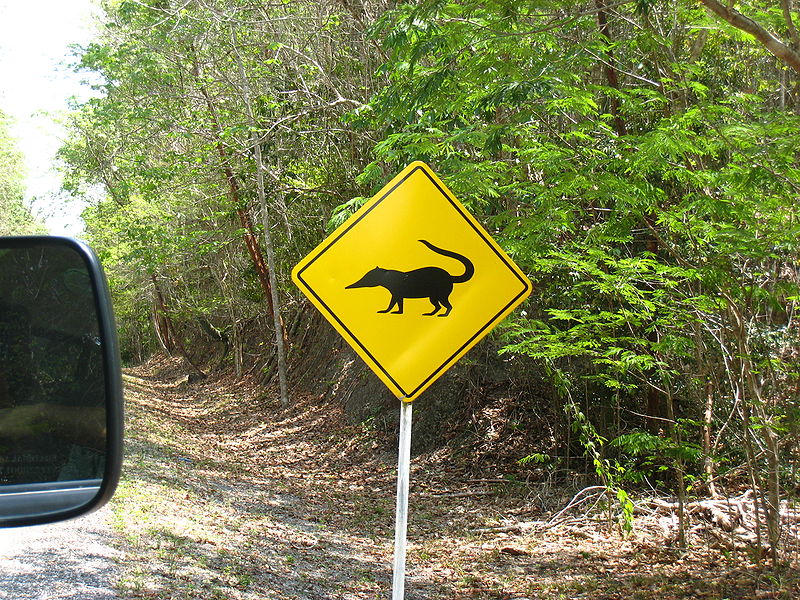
x,y
226,497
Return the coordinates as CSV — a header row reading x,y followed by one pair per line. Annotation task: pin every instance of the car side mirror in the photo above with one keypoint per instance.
x,y
60,382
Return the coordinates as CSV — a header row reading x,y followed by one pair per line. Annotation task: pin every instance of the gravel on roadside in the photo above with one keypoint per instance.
x,y
71,560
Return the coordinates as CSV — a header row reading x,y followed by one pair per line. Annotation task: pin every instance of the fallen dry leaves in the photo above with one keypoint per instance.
x,y
225,496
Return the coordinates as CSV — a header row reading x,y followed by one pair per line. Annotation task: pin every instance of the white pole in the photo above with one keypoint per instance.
x,y
401,518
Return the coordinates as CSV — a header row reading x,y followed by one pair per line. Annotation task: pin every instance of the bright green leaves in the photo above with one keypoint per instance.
x,y
639,164
15,217
186,94
614,305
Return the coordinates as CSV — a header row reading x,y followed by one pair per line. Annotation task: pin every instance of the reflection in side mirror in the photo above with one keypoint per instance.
x,y
60,382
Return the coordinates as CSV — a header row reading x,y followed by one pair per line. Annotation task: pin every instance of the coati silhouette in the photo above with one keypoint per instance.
x,y
433,283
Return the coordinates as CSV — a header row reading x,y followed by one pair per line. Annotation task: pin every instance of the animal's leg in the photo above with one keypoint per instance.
x,y
447,306
391,306
395,302
436,307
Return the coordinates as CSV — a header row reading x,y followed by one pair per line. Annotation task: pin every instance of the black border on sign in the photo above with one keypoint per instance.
x,y
477,335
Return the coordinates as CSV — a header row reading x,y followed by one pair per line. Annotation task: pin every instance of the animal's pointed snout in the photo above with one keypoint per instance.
x,y
370,279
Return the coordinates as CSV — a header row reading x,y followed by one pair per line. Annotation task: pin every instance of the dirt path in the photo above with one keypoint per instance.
x,y
70,560
218,504
224,497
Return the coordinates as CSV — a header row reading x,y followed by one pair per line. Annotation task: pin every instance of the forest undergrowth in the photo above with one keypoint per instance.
x,y
226,496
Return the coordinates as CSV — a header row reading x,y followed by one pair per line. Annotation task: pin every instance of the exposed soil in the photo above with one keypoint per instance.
x,y
226,496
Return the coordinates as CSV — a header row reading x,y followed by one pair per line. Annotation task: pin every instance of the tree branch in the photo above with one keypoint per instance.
x,y
786,6
784,52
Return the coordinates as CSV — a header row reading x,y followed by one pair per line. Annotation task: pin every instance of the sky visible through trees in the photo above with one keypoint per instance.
x,y
35,39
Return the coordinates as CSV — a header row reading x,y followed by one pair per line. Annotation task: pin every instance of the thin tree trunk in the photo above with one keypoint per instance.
x,y
708,462
250,238
752,396
161,319
262,200
608,67
773,491
161,329
704,375
679,470
753,473
171,328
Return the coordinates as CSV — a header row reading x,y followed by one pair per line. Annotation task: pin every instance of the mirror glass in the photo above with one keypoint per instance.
x,y
52,381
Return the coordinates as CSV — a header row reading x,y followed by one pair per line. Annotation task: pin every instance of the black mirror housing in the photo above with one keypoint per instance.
x,y
61,406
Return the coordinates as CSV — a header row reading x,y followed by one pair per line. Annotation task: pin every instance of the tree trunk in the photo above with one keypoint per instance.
x,y
752,397
708,462
773,490
161,319
170,328
250,238
680,481
608,67
161,330
784,52
262,200
704,375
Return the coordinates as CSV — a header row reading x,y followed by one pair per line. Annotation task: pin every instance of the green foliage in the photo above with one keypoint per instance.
x,y
170,140
649,455
654,210
15,217
537,458
639,163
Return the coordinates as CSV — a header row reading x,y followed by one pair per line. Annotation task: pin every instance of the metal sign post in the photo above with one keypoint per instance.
x,y
401,514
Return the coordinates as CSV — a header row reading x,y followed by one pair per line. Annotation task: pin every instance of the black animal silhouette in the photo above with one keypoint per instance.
x,y
433,283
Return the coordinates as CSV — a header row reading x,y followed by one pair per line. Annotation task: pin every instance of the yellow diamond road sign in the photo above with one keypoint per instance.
x,y
412,281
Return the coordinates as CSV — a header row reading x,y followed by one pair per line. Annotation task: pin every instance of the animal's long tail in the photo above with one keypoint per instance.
x,y
469,268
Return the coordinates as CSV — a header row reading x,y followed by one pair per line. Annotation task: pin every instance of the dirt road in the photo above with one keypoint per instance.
x,y
218,503
74,560
225,496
